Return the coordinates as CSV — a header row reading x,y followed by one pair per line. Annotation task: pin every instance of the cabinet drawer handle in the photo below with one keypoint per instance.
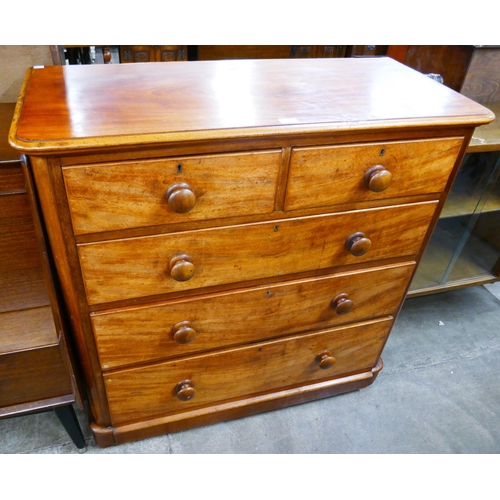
x,y
181,267
377,178
358,244
342,304
185,390
325,359
183,332
181,197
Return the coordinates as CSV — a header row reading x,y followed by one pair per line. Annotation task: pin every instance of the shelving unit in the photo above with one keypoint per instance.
x,y
465,247
37,372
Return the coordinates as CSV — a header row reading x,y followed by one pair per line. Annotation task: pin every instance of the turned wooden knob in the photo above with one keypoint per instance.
x,y
181,197
185,390
358,244
181,268
378,178
342,304
325,359
183,332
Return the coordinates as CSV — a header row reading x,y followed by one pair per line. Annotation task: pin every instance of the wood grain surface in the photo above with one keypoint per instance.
x,y
136,267
333,175
115,196
27,329
84,107
43,375
134,335
145,392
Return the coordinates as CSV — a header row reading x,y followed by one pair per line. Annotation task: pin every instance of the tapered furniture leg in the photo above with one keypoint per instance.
x,y
67,416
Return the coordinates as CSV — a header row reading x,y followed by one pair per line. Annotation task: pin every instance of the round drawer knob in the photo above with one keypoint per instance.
x,y
377,178
325,359
181,268
181,197
342,304
185,390
183,332
358,244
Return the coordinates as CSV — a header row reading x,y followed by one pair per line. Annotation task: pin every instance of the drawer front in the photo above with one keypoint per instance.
x,y
181,327
136,267
113,196
332,175
146,392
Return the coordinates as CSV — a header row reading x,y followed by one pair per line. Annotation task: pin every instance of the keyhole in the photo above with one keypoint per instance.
x,y
382,151
179,168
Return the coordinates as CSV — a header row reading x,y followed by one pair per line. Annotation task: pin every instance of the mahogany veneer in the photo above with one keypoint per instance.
x,y
235,236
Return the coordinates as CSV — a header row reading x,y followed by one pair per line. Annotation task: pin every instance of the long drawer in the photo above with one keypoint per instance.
x,y
180,327
366,172
137,267
139,393
104,197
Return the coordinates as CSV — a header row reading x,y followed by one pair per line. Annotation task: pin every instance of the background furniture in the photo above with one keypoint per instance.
x,y
250,246
217,52
465,247
36,371
158,53
153,53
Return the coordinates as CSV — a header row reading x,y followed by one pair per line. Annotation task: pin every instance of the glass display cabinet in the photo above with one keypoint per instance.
x,y
464,248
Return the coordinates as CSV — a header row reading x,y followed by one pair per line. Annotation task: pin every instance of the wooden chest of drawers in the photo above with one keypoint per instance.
x,y
241,236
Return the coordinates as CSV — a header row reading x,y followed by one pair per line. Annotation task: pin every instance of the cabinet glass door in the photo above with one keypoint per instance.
x,y
465,243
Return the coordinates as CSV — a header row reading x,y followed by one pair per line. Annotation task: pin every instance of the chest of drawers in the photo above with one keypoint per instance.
x,y
235,236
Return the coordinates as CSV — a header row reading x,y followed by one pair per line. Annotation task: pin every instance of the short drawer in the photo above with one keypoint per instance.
x,y
138,267
180,327
105,197
184,384
325,176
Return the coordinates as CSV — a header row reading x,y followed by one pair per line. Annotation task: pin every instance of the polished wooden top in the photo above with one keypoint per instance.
x,y
78,107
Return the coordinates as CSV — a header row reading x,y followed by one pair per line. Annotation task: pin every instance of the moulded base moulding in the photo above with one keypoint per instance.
x,y
108,436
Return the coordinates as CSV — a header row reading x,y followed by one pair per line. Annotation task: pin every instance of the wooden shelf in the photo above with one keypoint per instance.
x,y
27,329
440,253
461,203
472,192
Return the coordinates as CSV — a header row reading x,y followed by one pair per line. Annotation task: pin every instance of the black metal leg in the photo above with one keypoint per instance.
x,y
67,416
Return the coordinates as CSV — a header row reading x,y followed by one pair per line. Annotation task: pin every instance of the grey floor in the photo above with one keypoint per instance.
x,y
437,394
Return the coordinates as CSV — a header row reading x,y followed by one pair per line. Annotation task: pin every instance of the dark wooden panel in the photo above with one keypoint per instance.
x,y
11,178
18,244
167,53
32,375
366,50
22,288
330,50
6,152
216,52
449,61
137,53
482,82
